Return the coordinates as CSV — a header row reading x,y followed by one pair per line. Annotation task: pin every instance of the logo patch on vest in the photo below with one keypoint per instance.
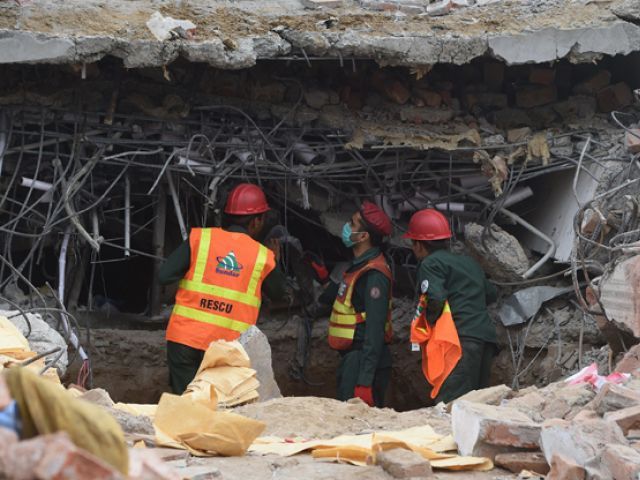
x,y
228,265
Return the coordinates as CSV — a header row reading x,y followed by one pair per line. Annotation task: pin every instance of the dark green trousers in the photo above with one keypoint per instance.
x,y
348,372
183,362
472,371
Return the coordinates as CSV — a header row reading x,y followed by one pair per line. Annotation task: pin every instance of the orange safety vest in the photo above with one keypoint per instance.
x,y
344,318
440,345
220,296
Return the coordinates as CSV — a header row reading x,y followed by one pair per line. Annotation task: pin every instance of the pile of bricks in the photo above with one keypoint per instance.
x,y
562,431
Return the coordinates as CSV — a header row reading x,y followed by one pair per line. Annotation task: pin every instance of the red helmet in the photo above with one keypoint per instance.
x,y
246,199
375,216
428,224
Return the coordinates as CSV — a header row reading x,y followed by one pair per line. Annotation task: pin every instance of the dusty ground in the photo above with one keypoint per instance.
x,y
244,18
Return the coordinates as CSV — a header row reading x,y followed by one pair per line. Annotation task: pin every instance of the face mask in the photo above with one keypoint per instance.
x,y
346,235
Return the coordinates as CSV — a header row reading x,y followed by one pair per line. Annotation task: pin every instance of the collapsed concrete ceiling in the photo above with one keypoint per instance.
x,y
236,35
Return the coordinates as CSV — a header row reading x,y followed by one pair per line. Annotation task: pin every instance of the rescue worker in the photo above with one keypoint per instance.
x,y
360,323
457,336
223,273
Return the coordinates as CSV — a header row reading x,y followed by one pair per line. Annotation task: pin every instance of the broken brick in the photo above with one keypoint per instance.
x,y
518,461
593,84
400,463
627,418
632,140
430,98
486,100
484,430
542,76
614,397
20,459
489,396
75,464
563,468
579,107
316,98
620,294
622,462
511,118
494,75
425,115
614,97
578,440
530,96
630,362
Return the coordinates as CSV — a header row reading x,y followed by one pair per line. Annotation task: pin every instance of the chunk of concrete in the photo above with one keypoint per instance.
x,y
484,430
630,363
518,461
580,440
622,462
401,463
627,418
488,396
563,468
612,397
257,347
620,294
501,255
42,337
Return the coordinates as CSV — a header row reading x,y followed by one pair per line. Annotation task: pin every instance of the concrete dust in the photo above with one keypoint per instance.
x,y
312,417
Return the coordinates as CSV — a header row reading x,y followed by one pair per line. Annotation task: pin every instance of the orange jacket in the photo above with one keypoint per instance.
x,y
344,318
440,345
220,295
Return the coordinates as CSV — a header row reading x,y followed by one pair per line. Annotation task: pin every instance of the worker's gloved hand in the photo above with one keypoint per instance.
x,y
365,394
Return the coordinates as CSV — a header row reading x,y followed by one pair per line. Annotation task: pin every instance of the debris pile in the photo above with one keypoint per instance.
x,y
570,424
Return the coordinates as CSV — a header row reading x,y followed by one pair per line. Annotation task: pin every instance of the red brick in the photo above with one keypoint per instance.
x,y
518,461
542,76
593,84
627,418
632,140
396,91
74,465
21,459
563,468
622,462
430,98
494,75
484,430
535,96
487,100
400,463
614,97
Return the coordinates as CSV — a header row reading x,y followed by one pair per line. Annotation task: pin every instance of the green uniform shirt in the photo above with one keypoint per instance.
x,y
371,294
177,265
460,280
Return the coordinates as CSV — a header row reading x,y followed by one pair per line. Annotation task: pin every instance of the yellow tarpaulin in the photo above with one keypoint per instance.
x,y
181,422
360,449
225,377
11,340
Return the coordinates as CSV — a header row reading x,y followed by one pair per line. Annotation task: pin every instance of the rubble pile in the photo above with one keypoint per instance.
x,y
589,430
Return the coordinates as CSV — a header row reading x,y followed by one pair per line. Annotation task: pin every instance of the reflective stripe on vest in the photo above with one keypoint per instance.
x,y
219,298
344,318
440,345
